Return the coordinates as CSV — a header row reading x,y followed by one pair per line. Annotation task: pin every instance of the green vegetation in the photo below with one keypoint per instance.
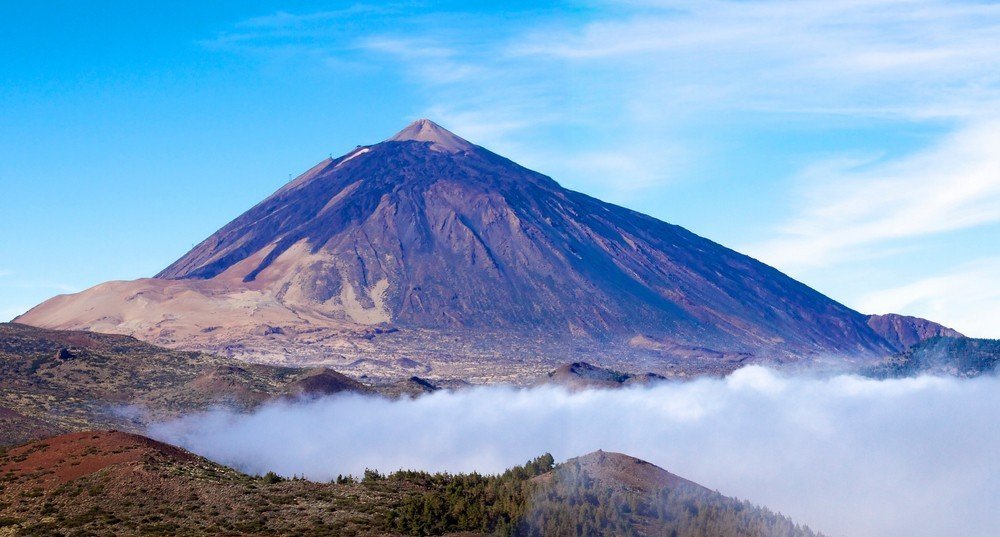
x,y
170,493
576,504
962,357
534,501
468,502
271,478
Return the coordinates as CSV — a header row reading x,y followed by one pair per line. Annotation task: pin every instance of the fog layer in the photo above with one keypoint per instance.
x,y
846,455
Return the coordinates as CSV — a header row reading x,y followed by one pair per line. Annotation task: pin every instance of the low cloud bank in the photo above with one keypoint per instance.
x,y
846,455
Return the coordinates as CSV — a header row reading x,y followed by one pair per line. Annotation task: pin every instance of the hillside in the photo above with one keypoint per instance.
x,y
429,248
961,357
581,375
904,331
55,381
113,483
606,493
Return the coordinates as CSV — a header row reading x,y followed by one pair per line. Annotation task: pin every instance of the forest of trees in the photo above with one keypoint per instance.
x,y
572,503
468,502
962,357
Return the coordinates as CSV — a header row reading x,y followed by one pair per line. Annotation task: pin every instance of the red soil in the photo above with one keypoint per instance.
x,y
63,458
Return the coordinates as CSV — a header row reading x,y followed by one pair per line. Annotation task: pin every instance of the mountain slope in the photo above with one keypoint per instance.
x,y
428,232
113,483
904,331
55,381
601,493
957,356
605,493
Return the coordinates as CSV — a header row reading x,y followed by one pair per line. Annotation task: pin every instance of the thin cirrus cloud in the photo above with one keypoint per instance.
x,y
435,62
651,68
968,296
284,19
848,210
883,58
42,284
623,100
668,63
642,68
849,215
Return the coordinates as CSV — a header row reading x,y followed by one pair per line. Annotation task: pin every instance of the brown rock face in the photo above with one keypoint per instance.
x,y
323,381
432,234
620,471
63,458
582,376
903,331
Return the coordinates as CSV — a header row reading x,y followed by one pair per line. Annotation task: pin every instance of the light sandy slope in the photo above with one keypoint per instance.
x,y
221,312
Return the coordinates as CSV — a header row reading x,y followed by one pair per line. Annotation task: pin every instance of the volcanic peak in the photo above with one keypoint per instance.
x,y
442,140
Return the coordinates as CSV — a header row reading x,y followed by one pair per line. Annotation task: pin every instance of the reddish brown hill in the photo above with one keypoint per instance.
x,y
903,331
620,471
60,459
322,381
605,493
113,483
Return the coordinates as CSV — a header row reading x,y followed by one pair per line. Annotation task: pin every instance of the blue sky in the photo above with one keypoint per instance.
x,y
854,145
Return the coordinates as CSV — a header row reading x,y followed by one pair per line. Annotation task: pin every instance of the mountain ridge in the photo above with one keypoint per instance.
x,y
905,331
440,138
428,234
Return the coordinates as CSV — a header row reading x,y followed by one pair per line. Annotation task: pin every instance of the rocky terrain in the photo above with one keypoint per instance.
x,y
428,255
114,483
904,331
960,357
581,376
56,381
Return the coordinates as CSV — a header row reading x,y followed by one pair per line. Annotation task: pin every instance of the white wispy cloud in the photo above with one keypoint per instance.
x,y
313,34
606,98
436,64
285,19
886,58
848,210
642,68
968,297
849,456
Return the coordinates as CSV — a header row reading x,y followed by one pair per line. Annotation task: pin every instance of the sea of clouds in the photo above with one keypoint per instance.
x,y
847,455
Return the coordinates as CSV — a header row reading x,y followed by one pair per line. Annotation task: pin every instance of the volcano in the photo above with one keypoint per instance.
x,y
429,249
